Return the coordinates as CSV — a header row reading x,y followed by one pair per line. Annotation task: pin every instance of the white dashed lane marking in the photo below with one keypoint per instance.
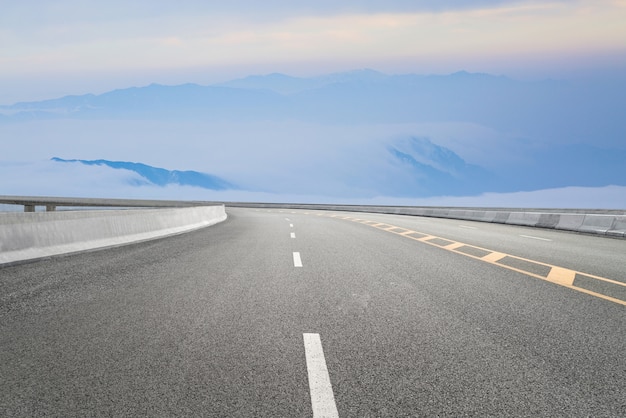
x,y
297,261
322,397
539,238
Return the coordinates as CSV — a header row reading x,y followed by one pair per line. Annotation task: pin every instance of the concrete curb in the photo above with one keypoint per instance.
x,y
29,236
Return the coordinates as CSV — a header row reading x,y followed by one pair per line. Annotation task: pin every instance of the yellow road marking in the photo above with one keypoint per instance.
x,y
425,239
561,276
557,275
454,246
395,229
494,257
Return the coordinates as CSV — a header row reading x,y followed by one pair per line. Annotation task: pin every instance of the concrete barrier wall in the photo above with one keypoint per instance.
x,y
26,236
600,224
611,225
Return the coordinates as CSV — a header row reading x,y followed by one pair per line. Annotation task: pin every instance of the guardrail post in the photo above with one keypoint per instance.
x,y
29,208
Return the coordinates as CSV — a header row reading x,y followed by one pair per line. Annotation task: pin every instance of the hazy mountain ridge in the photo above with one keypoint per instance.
x,y
160,176
151,102
286,84
544,108
361,133
443,95
436,169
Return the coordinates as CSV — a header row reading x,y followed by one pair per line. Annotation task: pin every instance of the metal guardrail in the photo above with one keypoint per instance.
x,y
51,203
398,209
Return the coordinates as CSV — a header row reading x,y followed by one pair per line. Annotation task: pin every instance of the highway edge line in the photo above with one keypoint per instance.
x,y
558,275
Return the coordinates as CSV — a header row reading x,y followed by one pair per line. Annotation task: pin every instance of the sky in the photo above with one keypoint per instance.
x,y
50,49
54,48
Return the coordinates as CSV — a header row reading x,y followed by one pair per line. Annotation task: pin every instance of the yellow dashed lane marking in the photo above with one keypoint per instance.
x,y
562,276
557,275
454,246
494,257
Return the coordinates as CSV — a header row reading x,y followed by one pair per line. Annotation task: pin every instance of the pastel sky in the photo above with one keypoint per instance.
x,y
53,48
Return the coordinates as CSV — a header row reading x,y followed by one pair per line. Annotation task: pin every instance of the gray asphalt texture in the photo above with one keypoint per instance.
x,y
210,323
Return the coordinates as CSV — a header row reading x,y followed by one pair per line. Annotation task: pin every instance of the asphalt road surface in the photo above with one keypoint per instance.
x,y
298,314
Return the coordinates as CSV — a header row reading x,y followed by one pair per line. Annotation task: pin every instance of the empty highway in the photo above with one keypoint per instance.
x,y
294,313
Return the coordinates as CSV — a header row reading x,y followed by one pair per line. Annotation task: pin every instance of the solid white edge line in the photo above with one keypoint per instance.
x,y
322,397
297,261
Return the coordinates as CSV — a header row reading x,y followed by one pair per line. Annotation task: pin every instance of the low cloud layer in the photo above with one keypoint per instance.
x,y
47,178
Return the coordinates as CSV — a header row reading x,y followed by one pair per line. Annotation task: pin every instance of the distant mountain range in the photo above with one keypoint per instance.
x,y
160,176
285,84
528,135
545,108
